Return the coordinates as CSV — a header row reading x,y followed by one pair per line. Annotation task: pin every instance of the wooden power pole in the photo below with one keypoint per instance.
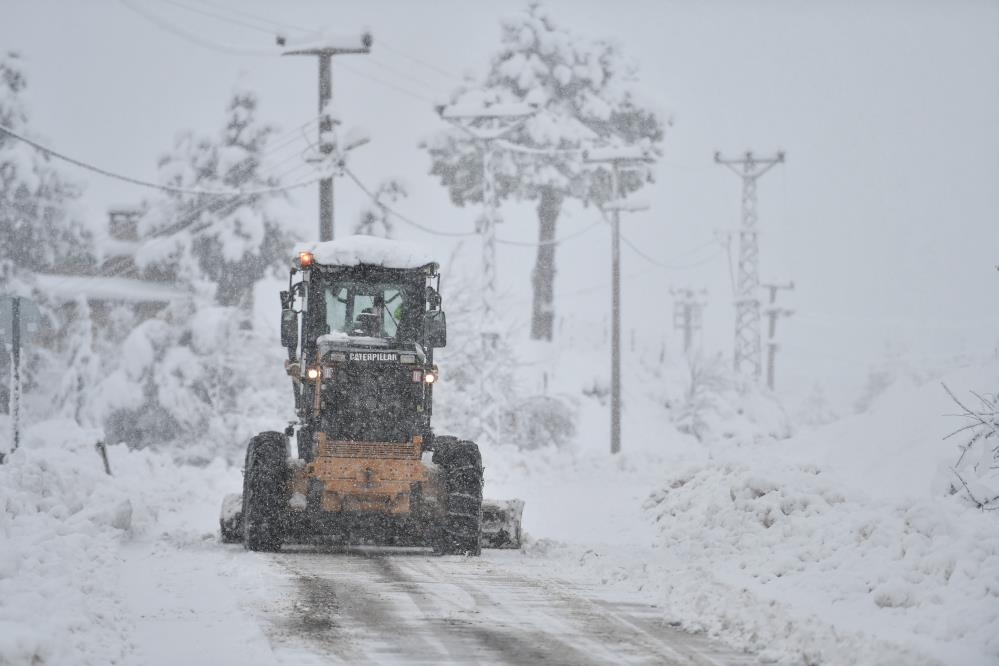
x,y
617,159
325,50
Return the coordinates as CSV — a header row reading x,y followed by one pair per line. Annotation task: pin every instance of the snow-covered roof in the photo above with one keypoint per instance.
x,y
370,250
71,287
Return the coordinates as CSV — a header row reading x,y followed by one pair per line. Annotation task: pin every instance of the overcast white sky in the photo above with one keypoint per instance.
x,y
884,214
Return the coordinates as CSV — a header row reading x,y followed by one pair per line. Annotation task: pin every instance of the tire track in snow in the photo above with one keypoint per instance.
x,y
381,606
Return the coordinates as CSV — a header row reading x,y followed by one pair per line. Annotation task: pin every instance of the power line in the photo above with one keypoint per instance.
x,y
397,214
196,39
388,84
239,50
217,16
554,241
438,232
257,17
144,183
216,205
660,264
213,206
418,61
399,73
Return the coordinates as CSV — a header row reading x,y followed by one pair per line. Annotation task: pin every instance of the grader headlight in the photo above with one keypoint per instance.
x,y
305,259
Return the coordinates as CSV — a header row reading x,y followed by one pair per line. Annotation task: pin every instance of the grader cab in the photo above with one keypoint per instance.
x,y
360,320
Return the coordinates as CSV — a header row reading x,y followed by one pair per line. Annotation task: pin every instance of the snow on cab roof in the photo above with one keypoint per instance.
x,y
370,250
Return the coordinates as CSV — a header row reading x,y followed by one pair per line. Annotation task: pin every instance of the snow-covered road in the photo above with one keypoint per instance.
x,y
207,603
390,606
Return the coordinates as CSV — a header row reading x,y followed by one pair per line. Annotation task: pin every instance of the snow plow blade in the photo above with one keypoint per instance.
x,y
501,523
231,518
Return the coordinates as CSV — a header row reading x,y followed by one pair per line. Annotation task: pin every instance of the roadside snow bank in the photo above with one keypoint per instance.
x,y
838,546
62,522
922,574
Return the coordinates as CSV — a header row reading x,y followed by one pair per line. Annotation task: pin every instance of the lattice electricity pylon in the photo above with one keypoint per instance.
x,y
746,357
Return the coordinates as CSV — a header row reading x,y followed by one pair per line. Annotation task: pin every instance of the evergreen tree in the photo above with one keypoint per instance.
x,y
225,242
37,230
82,369
582,88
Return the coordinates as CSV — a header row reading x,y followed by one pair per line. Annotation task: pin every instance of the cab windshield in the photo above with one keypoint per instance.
x,y
376,310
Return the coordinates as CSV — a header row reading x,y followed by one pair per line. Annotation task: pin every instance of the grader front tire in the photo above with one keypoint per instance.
x,y
461,473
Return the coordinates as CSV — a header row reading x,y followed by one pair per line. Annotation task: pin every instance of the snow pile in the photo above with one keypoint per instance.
x,y
63,523
924,574
370,250
849,526
841,545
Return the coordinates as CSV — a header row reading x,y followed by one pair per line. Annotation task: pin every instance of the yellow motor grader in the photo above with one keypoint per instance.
x,y
361,319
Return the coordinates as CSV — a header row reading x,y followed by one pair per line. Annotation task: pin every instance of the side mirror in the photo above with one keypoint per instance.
x,y
433,299
289,329
435,328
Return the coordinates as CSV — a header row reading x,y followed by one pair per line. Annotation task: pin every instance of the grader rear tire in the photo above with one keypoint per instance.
x,y
461,473
265,492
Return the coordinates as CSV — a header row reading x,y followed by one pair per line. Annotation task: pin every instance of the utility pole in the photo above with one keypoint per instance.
x,y
687,309
618,159
747,303
325,50
773,312
19,318
486,124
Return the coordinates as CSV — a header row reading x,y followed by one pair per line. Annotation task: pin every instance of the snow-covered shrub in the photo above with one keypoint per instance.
x,y
707,381
538,421
717,404
194,380
976,471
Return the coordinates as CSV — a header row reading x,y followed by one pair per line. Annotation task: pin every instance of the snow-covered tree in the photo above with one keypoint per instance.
x,y
584,91
708,381
37,230
227,242
375,220
183,381
81,370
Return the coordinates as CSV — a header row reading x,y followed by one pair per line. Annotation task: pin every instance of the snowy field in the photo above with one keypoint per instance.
x,y
837,546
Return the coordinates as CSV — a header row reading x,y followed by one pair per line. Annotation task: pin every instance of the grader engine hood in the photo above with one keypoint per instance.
x,y
372,394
